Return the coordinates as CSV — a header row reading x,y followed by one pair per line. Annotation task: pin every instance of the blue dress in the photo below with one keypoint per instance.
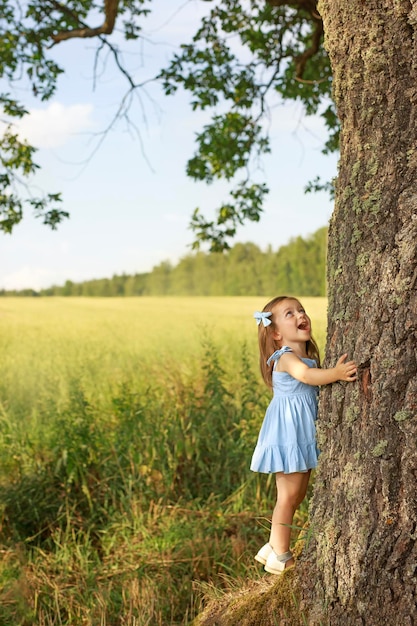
x,y
287,439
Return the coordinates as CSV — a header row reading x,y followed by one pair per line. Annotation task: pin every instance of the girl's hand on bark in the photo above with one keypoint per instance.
x,y
346,371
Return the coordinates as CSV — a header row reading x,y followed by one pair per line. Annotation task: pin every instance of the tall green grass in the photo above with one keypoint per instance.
x,y
126,432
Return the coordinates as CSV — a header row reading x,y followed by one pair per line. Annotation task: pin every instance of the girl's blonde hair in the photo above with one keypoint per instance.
x,y
268,345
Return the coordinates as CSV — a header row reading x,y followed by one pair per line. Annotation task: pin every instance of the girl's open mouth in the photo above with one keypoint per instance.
x,y
304,326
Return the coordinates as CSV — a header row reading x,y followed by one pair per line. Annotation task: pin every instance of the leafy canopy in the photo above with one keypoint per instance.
x,y
245,57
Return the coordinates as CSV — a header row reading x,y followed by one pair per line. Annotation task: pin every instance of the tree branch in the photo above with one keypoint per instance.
x,y
310,6
111,8
307,5
301,60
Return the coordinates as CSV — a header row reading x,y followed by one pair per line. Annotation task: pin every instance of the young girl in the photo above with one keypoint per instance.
x,y
286,446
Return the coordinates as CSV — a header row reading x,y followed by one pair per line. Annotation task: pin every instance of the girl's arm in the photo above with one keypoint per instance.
x,y
313,376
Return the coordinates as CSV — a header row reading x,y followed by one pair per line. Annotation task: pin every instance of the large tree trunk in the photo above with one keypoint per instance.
x,y
364,511
361,567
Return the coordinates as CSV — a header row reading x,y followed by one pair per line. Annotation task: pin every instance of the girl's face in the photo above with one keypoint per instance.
x,y
292,324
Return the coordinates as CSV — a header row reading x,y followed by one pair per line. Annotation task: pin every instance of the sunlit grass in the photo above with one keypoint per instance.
x,y
46,342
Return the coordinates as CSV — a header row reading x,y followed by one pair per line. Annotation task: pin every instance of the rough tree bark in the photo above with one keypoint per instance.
x,y
364,510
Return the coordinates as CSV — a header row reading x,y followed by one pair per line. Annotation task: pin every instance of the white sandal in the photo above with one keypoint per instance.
x,y
264,553
275,563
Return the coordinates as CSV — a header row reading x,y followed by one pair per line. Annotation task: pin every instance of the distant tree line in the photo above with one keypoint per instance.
x,y
298,268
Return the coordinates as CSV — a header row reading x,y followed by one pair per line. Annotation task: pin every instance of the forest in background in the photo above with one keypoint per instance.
x,y
297,267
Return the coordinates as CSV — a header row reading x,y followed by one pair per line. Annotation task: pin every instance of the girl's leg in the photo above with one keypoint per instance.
x,y
291,491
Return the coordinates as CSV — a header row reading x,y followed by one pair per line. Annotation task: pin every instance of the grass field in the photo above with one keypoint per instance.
x,y
46,342
126,428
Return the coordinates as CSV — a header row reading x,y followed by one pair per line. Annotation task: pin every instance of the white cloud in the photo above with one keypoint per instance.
x,y
30,277
55,125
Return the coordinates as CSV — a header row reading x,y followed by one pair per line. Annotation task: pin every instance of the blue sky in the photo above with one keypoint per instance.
x,y
129,199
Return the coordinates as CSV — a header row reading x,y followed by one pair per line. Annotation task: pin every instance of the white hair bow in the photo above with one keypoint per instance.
x,y
262,317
